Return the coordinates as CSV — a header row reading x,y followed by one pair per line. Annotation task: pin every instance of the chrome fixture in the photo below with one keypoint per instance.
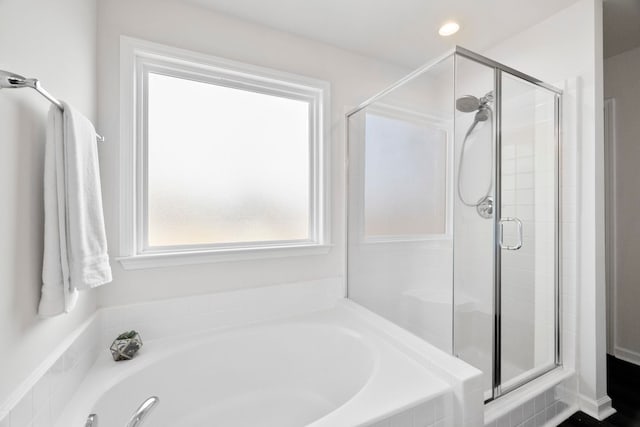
x,y
469,104
519,225
9,80
138,417
485,207
92,421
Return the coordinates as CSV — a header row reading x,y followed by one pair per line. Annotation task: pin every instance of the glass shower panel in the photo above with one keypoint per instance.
x,y
453,214
528,231
473,218
399,205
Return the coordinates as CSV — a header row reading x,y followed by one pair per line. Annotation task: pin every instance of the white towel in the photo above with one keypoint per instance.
x,y
75,244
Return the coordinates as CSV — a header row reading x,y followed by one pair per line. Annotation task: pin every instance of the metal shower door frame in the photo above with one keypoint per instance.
x,y
499,69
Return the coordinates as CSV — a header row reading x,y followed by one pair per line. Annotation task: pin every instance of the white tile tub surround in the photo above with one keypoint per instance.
x,y
545,404
435,413
42,397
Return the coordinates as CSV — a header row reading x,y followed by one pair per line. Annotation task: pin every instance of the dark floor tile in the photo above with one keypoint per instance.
x,y
623,387
583,420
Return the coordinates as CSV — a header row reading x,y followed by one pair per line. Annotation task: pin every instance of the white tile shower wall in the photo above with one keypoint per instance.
x,y
565,395
437,412
533,413
569,228
43,402
519,267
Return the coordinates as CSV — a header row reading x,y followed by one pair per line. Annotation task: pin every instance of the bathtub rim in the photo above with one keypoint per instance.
x,y
381,328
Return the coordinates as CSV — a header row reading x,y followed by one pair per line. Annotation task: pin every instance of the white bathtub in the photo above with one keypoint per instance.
x,y
327,368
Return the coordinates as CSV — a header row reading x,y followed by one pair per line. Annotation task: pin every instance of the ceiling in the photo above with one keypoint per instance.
x,y
621,26
404,32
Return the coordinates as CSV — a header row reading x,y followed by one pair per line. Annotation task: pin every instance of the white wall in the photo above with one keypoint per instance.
x,y
566,50
621,82
55,42
353,78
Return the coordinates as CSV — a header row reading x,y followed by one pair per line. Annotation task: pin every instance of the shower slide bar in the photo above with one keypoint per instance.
x,y
9,80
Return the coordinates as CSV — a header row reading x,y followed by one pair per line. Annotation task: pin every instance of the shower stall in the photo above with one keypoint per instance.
x,y
454,214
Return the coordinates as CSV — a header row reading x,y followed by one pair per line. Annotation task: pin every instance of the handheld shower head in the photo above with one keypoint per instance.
x,y
483,114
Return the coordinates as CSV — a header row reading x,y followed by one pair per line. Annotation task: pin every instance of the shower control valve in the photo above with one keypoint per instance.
x,y
484,207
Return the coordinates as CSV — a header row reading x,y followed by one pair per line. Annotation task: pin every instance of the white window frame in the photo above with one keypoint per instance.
x,y
137,59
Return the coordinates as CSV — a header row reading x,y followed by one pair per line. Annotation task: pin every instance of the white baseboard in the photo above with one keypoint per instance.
x,y
598,409
627,355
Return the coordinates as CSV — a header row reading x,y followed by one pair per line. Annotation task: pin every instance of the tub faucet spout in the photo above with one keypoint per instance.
x,y
141,413
92,421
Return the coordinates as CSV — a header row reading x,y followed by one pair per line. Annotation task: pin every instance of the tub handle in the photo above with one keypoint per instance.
x,y
92,421
141,413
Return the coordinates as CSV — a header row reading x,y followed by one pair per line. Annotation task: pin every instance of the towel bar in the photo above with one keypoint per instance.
x,y
10,80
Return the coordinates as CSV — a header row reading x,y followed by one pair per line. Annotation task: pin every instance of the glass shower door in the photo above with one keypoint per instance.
x,y
505,226
526,231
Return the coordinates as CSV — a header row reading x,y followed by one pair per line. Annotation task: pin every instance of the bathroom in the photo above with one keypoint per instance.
x,y
357,306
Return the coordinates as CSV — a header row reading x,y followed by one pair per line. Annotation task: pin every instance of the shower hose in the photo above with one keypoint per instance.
x,y
461,166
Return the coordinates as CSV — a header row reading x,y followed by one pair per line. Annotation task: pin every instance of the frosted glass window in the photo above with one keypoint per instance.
x,y
405,178
225,164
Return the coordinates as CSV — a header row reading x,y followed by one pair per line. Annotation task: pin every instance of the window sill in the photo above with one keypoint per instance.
x,y
168,259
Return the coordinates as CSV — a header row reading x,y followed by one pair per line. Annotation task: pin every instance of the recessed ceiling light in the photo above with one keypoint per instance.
x,y
449,28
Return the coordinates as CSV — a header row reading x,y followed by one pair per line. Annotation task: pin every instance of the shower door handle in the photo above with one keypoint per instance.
x,y
519,226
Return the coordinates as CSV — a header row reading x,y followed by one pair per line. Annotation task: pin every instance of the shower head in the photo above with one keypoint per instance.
x,y
467,104
10,80
470,103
